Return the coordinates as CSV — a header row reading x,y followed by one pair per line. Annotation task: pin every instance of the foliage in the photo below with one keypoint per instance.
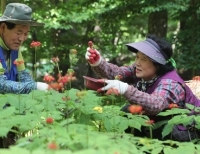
x,y
111,24
82,122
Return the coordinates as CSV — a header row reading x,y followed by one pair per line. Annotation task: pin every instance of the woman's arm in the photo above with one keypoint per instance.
x,y
110,71
167,91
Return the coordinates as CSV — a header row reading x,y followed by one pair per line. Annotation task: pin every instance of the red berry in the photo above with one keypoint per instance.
x,y
150,122
173,106
52,146
49,120
90,44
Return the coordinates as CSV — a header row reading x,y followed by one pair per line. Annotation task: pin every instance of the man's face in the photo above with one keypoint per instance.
x,y
14,38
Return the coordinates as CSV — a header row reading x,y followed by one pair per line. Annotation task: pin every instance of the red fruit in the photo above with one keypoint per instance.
x,y
112,91
90,44
150,122
49,120
93,55
135,108
52,146
173,106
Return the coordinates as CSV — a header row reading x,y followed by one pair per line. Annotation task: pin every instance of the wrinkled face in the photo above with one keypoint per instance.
x,y
14,38
144,67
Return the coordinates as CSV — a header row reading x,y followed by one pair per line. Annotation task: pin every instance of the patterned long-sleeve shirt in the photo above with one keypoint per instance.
x,y
24,86
167,91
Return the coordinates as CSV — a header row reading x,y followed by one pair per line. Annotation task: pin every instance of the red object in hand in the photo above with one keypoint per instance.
x,y
94,57
92,83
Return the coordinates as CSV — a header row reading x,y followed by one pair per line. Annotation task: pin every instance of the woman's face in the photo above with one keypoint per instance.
x,y
144,67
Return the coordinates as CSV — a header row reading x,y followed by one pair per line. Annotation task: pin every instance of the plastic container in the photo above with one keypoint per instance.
x,y
92,84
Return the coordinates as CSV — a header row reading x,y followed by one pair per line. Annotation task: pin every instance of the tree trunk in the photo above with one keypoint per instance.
x,y
157,23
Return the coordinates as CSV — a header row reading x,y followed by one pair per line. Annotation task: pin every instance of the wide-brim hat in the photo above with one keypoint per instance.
x,y
19,14
150,48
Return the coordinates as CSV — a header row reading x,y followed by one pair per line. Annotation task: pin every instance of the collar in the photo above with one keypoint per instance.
x,y
2,44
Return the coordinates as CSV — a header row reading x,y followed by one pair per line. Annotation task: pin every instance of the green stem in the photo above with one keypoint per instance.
x,y
34,73
150,130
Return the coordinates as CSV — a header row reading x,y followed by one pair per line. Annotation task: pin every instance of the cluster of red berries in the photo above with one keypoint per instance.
x,y
94,55
48,78
18,62
172,105
135,109
49,120
35,44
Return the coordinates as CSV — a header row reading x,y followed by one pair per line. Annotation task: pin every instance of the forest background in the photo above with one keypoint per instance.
x,y
110,24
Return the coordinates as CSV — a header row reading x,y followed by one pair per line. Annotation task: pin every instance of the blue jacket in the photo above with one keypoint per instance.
x,y
12,81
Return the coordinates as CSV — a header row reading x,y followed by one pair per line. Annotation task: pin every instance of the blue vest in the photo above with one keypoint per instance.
x,y
12,73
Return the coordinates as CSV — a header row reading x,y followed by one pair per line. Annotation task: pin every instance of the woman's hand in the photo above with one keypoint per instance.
x,y
115,84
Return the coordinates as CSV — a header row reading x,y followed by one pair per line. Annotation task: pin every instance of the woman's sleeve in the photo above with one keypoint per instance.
x,y
25,85
110,71
167,91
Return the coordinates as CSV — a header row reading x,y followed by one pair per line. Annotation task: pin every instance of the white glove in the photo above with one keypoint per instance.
x,y
116,84
42,86
93,57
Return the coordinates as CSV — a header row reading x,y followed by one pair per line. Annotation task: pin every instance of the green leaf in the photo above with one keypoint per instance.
x,y
157,150
134,124
167,129
174,111
5,113
4,131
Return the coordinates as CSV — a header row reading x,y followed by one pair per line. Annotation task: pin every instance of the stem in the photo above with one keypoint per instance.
x,y
34,73
58,68
150,130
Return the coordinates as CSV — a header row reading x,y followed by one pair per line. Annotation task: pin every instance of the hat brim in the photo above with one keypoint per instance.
x,y
148,50
22,22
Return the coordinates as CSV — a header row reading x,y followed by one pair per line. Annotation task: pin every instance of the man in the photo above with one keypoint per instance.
x,y
15,25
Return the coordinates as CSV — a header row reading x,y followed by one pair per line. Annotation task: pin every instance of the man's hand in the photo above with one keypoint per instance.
x,y
42,86
115,84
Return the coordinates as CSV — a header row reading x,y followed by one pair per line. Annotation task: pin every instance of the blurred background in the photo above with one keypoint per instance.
x,y
110,24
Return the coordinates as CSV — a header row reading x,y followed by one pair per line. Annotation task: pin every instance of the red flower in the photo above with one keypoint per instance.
x,y
55,59
150,122
48,78
49,120
18,62
52,146
172,105
35,44
135,108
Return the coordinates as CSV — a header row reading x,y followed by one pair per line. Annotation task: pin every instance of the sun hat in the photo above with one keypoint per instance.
x,y
150,48
19,14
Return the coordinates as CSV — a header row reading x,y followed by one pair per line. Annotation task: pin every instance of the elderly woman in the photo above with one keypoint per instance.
x,y
151,81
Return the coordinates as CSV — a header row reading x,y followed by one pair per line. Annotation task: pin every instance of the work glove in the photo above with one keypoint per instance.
x,y
115,84
42,86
